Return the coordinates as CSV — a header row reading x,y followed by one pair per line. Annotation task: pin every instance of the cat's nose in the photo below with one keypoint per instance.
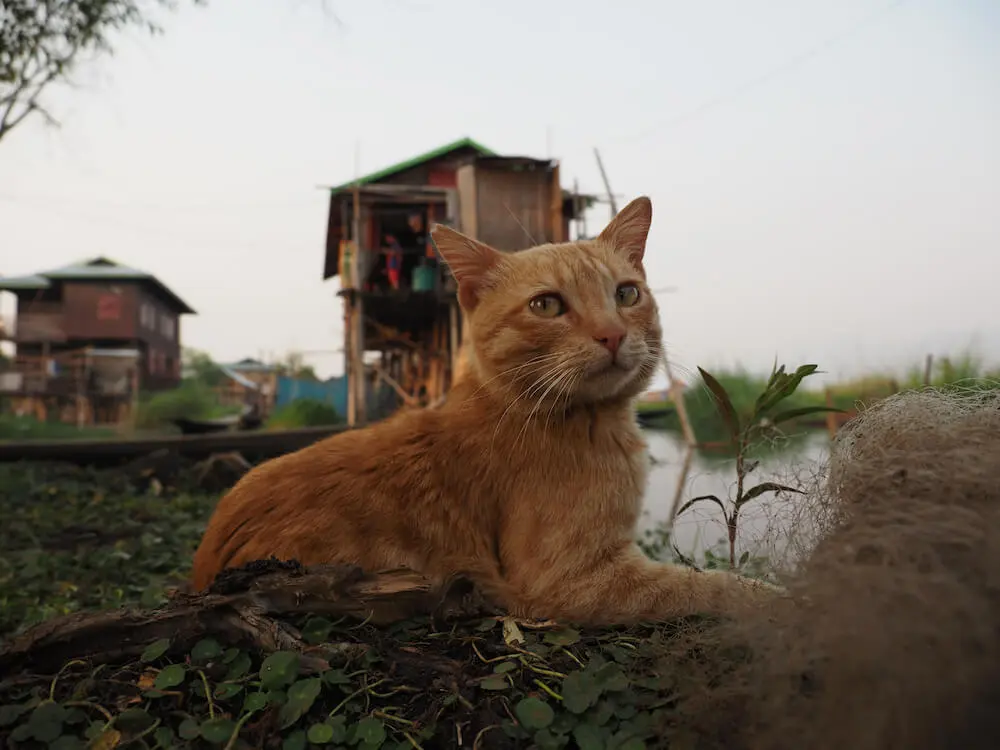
x,y
610,339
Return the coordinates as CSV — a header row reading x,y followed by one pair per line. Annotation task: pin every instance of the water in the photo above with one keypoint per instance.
x,y
764,520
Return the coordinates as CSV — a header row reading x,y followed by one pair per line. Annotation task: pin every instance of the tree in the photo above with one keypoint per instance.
x,y
294,366
202,368
41,41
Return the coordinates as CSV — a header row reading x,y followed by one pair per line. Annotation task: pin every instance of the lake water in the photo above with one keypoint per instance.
x,y
764,520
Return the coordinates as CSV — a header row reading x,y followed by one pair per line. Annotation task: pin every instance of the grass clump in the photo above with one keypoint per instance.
x,y
13,427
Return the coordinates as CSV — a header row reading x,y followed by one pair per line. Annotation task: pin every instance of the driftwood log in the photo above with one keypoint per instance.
x,y
244,605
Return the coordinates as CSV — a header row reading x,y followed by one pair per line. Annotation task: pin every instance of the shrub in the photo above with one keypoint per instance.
x,y
304,412
190,400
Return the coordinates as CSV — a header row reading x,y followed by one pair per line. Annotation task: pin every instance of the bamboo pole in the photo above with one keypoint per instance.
x,y
690,440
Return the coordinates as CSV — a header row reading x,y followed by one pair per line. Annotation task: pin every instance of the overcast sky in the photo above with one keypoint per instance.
x,y
825,174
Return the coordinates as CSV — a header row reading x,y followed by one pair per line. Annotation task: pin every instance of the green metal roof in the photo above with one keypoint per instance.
x,y
24,283
416,161
94,269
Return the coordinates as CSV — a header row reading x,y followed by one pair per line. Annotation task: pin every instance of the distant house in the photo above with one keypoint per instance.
x,y
249,381
88,336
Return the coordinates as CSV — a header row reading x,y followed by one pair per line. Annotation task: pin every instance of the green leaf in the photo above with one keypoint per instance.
x,y
336,677
339,724
494,682
804,411
299,700
632,743
316,630
75,716
254,702
46,721
486,625
21,733
205,650
579,692
783,387
164,737
189,729
589,737
218,730
134,720
760,489
11,713
564,637
610,677
534,713
723,403
155,650
67,742
546,740
295,741
230,655
239,666
279,669
226,690
504,667
702,498
170,677
320,734
370,731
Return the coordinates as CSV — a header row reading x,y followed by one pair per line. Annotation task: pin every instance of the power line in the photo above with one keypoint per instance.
x,y
757,81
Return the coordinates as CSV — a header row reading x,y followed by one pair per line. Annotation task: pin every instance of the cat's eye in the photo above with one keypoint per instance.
x,y
627,295
547,305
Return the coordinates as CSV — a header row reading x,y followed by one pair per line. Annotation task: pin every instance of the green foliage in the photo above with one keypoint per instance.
x,y
304,412
13,427
192,399
41,43
75,540
202,368
742,389
965,370
405,686
764,419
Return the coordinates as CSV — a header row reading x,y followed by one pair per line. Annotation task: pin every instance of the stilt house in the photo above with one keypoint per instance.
x,y
402,324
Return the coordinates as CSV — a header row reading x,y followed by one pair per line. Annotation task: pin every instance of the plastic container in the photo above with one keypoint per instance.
x,y
423,279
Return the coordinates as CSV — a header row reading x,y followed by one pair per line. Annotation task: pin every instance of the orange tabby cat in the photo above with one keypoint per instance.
x,y
529,478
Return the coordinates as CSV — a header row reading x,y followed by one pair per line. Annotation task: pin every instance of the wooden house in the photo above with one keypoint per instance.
x,y
400,307
249,382
88,337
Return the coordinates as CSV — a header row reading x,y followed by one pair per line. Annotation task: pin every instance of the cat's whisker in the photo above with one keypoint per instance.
x,y
526,371
549,384
538,385
566,390
535,361
524,393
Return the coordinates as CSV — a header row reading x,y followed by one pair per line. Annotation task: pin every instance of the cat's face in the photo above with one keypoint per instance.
x,y
561,324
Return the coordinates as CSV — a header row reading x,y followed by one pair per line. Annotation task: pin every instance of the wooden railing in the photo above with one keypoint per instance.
x,y
35,326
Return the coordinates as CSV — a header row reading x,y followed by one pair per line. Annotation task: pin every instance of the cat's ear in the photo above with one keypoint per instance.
x,y
628,231
470,262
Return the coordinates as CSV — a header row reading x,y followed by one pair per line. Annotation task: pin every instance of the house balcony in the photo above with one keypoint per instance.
x,y
65,377
34,327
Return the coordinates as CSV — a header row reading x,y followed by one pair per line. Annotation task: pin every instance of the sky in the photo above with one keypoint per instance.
x,y
825,174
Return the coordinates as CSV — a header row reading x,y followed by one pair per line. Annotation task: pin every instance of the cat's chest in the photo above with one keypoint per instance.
x,y
604,465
